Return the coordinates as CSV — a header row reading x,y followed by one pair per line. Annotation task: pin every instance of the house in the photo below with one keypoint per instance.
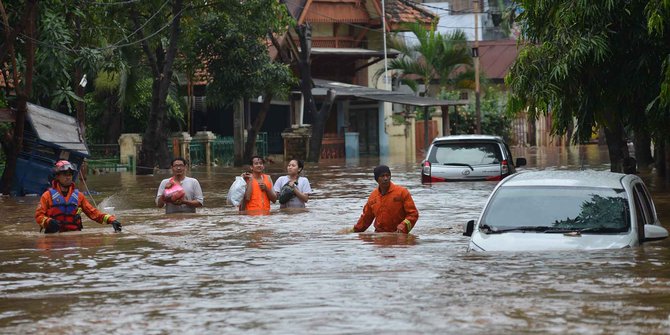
x,y
49,136
347,48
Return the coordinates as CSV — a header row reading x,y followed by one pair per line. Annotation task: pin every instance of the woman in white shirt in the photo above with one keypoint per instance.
x,y
293,190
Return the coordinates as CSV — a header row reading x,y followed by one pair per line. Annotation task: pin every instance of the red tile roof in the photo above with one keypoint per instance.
x,y
399,12
360,11
330,11
496,57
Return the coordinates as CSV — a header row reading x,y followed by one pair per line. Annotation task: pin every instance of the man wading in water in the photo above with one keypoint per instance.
x,y
61,205
259,192
390,206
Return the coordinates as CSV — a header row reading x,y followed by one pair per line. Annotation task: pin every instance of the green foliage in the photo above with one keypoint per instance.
x,y
434,57
136,114
107,81
658,25
62,30
231,42
592,62
495,121
53,62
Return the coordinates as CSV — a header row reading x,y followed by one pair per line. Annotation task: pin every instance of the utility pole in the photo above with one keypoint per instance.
x,y
386,66
475,55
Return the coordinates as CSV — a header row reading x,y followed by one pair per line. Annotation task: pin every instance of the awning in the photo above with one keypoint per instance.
x,y
348,90
56,128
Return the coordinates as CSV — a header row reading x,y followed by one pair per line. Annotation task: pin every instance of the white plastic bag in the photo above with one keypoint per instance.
x,y
236,191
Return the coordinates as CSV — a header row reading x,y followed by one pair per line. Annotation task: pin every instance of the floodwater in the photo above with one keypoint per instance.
x,y
292,273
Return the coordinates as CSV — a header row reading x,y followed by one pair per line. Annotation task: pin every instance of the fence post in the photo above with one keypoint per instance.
x,y
206,138
131,163
128,144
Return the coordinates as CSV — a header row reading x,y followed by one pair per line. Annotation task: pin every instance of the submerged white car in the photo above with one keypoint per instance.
x,y
468,158
562,210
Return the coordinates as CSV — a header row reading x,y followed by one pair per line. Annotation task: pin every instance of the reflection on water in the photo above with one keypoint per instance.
x,y
290,272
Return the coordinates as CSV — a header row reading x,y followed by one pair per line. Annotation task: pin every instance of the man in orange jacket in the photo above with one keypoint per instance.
x,y
61,205
390,206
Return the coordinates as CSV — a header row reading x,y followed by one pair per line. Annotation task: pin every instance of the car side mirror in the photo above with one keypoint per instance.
x,y
469,227
520,162
654,232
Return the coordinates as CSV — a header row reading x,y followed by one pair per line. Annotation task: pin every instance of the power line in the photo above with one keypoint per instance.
x,y
147,21
117,44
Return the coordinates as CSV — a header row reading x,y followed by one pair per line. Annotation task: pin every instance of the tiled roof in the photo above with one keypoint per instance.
x,y
496,57
406,11
337,12
397,11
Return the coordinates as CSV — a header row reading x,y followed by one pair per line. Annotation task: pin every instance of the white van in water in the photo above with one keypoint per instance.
x,y
468,158
559,210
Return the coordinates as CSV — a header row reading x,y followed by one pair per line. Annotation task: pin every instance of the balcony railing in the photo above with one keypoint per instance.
x,y
336,42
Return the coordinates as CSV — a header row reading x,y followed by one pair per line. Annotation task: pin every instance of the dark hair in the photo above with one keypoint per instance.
x,y
178,159
251,160
301,164
380,170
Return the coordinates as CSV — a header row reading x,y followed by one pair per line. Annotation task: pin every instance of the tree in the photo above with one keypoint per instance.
x,y
160,50
17,48
591,64
494,119
658,14
433,58
231,41
319,116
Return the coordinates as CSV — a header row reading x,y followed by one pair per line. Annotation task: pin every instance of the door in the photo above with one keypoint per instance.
x,y
366,123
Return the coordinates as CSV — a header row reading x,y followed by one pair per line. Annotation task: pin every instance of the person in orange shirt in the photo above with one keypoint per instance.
x,y
390,206
259,192
61,205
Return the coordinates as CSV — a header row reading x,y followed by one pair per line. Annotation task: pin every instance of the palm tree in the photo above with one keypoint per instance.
x,y
434,57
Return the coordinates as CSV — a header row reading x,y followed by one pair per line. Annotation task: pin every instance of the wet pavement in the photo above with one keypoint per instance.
x,y
291,272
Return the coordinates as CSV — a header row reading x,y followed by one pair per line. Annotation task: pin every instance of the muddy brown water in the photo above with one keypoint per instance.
x,y
291,273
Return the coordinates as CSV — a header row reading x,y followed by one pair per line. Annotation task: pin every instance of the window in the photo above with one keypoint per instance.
x,y
646,206
559,207
466,153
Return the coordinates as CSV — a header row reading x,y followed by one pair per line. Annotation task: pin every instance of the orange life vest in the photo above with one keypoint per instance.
x,y
65,210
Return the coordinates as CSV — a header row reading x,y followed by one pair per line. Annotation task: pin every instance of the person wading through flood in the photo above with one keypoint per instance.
x,y
259,192
389,205
188,195
293,189
61,204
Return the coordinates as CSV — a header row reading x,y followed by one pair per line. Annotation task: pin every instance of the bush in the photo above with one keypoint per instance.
x,y
492,107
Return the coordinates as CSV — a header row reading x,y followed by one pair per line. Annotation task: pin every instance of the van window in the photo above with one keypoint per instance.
x,y
646,206
466,153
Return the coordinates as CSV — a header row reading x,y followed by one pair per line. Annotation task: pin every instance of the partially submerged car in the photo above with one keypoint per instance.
x,y
559,210
468,158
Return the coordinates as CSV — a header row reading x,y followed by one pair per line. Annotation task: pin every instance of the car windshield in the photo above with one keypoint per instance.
x,y
465,153
547,209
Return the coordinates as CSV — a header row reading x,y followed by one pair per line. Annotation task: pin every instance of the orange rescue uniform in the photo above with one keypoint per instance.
x,y
391,212
46,202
